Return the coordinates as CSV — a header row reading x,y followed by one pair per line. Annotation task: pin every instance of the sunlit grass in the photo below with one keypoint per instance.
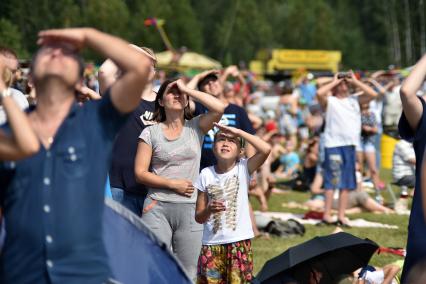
x,y
267,249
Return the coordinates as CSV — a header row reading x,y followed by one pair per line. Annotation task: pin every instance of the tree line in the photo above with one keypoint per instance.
x,y
370,34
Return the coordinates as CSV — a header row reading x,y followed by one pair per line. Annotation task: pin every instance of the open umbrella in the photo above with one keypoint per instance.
x,y
338,254
135,254
186,60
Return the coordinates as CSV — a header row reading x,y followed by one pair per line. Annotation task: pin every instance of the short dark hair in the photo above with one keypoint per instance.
x,y
205,80
78,57
160,112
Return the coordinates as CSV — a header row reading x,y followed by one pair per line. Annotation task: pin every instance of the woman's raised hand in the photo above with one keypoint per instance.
x,y
181,86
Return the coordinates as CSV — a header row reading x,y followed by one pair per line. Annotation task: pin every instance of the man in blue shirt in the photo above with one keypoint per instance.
x,y
53,201
412,127
307,89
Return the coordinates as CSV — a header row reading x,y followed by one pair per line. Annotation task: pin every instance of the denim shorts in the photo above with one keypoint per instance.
x,y
366,147
339,168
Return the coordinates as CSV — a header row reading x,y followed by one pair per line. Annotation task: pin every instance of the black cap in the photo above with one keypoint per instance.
x,y
209,77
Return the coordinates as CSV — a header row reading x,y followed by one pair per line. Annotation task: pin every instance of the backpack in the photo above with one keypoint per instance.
x,y
285,229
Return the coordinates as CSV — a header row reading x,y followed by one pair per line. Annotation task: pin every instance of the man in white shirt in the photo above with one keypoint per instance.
x,y
341,135
404,164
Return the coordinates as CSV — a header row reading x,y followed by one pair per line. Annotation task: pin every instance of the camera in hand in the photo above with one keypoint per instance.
x,y
343,75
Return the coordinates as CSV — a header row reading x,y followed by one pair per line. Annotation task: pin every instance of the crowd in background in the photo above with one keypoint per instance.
x,y
288,115
299,131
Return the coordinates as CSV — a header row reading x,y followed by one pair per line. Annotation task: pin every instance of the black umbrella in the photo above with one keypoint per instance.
x,y
334,255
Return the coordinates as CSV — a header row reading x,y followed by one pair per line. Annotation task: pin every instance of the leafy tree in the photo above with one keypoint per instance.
x,y
31,16
111,16
370,34
11,37
181,24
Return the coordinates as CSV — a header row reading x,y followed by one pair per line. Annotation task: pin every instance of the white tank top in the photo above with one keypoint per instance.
x,y
342,122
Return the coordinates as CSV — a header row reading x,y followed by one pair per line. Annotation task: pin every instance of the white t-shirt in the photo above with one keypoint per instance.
x,y
392,107
20,100
375,277
342,122
234,224
376,106
401,167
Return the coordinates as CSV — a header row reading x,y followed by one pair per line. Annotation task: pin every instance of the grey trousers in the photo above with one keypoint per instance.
x,y
175,225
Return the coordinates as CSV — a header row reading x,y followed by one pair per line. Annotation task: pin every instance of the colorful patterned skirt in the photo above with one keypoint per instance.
x,y
227,263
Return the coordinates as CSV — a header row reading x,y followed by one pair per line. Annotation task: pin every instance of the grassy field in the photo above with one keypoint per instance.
x,y
266,249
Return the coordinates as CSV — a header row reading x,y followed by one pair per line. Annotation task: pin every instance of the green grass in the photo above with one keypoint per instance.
x,y
264,250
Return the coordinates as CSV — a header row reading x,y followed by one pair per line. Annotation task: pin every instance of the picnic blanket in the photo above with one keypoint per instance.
x,y
262,216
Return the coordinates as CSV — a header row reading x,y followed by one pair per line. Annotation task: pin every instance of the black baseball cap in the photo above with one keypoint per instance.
x,y
206,79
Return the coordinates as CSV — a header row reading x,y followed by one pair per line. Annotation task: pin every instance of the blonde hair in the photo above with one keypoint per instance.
x,y
150,53
7,77
147,51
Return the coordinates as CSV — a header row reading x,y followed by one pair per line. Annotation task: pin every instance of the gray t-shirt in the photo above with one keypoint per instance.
x,y
174,159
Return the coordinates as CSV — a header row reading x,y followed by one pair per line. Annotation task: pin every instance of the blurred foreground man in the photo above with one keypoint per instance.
x,y
53,201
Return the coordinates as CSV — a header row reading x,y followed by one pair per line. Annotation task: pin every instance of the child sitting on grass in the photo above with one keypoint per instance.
x,y
223,207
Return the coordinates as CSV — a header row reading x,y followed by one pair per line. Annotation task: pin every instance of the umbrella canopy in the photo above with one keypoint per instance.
x,y
135,254
187,60
338,254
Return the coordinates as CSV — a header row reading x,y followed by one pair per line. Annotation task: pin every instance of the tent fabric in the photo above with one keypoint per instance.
x,y
188,60
135,254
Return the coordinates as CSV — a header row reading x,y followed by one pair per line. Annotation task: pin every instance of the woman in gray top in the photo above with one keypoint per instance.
x,y
168,161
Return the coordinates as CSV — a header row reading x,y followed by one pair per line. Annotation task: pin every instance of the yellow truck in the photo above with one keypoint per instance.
x,y
279,60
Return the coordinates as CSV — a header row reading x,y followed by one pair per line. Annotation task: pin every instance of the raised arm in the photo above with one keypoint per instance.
x,y
368,92
263,149
236,73
87,94
325,90
197,78
23,141
144,176
134,66
381,89
192,84
411,105
215,106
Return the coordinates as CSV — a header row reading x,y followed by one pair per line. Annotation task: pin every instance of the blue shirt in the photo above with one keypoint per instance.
x,y
53,202
308,92
234,116
290,161
416,242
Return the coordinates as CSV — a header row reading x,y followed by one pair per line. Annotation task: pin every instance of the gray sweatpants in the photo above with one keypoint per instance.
x,y
175,225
